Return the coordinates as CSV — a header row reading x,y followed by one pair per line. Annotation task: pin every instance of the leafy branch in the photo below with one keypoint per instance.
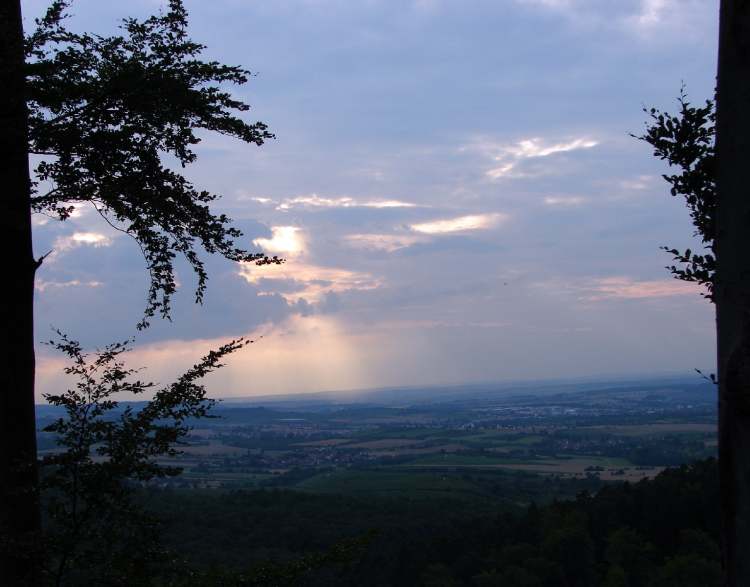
x,y
96,531
686,140
107,110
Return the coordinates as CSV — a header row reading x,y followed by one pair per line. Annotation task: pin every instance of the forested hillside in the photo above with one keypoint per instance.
x,y
655,532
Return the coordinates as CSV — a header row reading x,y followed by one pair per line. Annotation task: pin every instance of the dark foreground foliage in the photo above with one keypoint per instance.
x,y
107,115
94,532
687,141
661,532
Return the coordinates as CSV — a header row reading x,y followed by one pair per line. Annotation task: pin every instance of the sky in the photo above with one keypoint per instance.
x,y
454,188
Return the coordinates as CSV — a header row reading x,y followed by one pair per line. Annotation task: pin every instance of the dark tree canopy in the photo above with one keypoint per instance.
x,y
95,533
687,140
104,112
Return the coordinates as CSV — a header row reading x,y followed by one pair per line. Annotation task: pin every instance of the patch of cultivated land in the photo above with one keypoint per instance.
x,y
653,429
212,449
325,442
631,474
495,440
577,468
457,460
574,466
385,443
227,477
428,450
613,469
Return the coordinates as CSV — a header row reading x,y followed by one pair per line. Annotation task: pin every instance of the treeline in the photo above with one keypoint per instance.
x,y
660,532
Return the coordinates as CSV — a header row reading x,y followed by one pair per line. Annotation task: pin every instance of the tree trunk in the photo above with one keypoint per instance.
x,y
19,504
733,285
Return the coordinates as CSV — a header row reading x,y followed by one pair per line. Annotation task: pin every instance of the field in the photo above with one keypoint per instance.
x,y
213,448
656,428
463,447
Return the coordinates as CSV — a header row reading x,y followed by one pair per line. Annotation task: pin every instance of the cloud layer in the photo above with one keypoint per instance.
x,y
453,188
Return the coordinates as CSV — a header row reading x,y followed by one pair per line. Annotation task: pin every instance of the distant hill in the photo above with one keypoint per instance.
x,y
412,395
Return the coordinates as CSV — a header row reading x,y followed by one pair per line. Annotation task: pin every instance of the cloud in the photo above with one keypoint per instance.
x,y
78,211
77,239
627,288
42,285
536,148
642,17
80,239
651,13
316,201
503,170
39,219
388,204
383,242
431,323
298,281
285,240
508,157
638,183
564,201
548,3
459,224
426,230
668,19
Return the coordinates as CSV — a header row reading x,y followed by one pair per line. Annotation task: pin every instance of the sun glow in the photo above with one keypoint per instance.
x,y
301,354
285,240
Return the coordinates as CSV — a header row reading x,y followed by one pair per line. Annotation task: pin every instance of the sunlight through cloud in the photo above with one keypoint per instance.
x,y
297,281
285,240
79,239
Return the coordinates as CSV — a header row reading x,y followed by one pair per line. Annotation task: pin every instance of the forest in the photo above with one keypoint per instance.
x,y
662,531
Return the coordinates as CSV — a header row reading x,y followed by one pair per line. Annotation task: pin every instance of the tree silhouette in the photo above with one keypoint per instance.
x,y
714,184
101,112
95,532
686,140
107,109
732,294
